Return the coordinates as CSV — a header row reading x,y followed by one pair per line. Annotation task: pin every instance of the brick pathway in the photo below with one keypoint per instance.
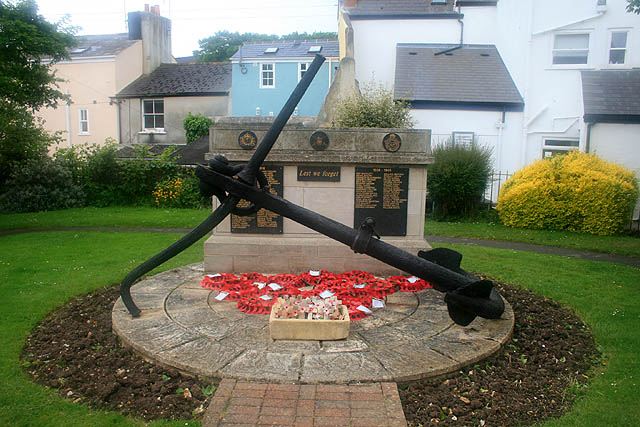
x,y
251,403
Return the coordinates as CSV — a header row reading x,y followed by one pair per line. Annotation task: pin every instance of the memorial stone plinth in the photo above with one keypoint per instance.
x,y
343,174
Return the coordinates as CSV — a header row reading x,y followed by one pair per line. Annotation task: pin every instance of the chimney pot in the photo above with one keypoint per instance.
x,y
350,3
155,9
146,7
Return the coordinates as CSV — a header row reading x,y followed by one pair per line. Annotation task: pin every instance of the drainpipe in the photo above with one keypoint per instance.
x,y
527,76
116,101
461,26
461,37
588,143
500,125
68,115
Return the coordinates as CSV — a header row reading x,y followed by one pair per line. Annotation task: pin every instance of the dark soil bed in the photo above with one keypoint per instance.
x,y
74,351
530,379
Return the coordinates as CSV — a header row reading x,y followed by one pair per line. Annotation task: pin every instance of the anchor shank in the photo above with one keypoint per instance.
x,y
248,174
442,278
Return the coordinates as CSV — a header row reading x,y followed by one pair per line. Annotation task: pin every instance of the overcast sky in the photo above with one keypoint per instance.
x,y
193,20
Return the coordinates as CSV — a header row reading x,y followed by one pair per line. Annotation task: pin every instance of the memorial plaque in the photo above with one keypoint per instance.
x,y
382,193
392,142
263,221
319,141
247,140
319,173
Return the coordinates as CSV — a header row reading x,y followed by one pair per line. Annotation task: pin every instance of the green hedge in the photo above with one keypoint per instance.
x,y
457,179
95,176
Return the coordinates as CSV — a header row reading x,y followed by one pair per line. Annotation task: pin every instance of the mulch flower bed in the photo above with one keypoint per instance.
x,y
524,383
74,351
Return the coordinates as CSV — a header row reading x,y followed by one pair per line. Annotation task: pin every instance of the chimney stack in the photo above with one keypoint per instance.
x,y
146,7
155,9
350,3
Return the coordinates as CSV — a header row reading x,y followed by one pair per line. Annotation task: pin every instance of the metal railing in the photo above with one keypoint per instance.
x,y
496,180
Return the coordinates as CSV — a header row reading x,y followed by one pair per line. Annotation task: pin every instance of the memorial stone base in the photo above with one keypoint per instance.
x,y
343,174
224,254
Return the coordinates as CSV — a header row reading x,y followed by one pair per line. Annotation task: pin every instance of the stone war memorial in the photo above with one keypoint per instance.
x,y
316,270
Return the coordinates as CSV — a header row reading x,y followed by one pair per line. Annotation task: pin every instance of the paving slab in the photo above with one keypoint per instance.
x,y
184,326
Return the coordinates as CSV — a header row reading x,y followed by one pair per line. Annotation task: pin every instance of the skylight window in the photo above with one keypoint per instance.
x,y
271,50
79,50
315,49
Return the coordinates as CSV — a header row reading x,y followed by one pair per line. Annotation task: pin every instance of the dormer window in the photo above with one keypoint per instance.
x,y
79,50
271,50
315,49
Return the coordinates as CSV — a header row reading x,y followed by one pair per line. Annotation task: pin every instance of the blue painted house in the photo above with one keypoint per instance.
x,y
264,75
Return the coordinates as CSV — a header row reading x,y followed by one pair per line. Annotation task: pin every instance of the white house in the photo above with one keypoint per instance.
x,y
433,52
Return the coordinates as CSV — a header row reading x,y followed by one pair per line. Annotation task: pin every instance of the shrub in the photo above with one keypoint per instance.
x,y
457,179
576,192
21,138
196,125
373,108
179,192
40,184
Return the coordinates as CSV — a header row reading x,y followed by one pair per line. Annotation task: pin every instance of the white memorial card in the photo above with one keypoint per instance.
x,y
266,297
363,308
214,275
359,285
412,279
314,273
221,296
377,303
326,294
260,285
274,286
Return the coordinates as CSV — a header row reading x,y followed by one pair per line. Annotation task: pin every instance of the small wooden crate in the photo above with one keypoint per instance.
x,y
305,329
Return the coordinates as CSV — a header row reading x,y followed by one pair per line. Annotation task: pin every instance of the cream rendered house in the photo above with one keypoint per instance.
x,y
100,66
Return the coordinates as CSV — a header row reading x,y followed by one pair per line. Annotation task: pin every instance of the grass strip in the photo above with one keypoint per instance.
x,y
617,245
106,217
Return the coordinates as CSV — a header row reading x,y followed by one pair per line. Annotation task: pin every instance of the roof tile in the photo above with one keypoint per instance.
x,y
471,73
182,80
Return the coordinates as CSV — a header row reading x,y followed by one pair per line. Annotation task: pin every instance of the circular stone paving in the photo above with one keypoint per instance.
x,y
182,325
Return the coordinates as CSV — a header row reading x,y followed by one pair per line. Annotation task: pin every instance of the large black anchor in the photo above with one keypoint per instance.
x,y
466,295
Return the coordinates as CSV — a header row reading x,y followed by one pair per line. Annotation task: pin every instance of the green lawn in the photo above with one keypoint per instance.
x,y
483,229
40,271
106,217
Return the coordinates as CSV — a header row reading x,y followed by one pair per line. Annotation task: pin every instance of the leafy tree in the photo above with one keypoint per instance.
x,y
223,44
30,47
633,6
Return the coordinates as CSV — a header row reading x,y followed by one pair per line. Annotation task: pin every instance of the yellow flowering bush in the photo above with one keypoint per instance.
x,y
178,192
576,192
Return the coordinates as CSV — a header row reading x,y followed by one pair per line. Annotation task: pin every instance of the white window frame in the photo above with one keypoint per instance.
x,y
153,113
82,121
301,71
463,138
549,150
273,74
625,49
589,49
